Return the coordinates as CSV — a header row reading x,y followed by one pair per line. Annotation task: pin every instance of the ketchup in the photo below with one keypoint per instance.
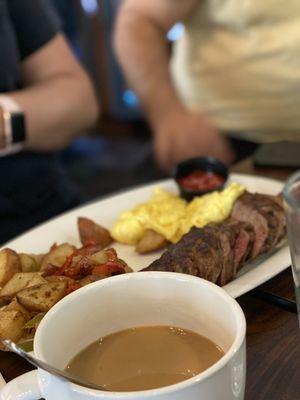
x,y
201,181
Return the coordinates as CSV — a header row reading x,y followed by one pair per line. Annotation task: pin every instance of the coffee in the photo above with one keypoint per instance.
x,y
145,358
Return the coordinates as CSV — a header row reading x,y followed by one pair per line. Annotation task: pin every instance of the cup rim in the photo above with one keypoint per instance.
x,y
286,190
236,345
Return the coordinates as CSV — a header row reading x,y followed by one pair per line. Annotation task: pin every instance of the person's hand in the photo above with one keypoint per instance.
x,y
183,134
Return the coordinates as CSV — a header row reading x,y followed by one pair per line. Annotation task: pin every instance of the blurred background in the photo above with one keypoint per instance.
x,y
118,152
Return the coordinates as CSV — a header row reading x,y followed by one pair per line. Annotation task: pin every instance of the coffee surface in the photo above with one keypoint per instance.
x,y
145,358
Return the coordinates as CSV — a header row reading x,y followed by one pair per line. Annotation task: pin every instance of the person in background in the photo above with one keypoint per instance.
x,y
233,80
46,99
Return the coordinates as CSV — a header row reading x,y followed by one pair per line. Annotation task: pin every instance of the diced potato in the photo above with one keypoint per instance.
x,y
57,256
28,263
49,270
91,279
3,303
42,297
127,269
150,241
58,278
37,279
12,325
38,258
14,305
90,232
18,282
99,258
61,278
125,266
9,265
88,250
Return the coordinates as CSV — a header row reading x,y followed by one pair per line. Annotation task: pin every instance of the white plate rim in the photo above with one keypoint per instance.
x,y
255,276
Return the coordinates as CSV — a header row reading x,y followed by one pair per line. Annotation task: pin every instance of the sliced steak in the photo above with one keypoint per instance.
x,y
273,206
273,230
198,253
242,211
207,253
227,236
208,246
243,242
217,251
241,249
272,210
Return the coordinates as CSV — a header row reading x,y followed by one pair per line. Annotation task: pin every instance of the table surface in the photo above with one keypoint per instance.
x,y
273,335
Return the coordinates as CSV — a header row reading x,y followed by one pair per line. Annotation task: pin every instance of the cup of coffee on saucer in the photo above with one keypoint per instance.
x,y
145,335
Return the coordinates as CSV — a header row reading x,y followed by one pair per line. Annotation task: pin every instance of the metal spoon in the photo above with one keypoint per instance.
x,y
46,367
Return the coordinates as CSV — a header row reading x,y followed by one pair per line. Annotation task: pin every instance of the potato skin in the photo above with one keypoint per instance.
x,y
19,281
90,232
31,284
9,265
28,263
12,324
38,258
42,297
150,241
57,256
14,305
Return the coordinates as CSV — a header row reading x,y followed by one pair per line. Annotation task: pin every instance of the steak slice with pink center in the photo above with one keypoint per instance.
x,y
247,213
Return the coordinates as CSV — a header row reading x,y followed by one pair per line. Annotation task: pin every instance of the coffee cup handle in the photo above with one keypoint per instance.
x,y
25,387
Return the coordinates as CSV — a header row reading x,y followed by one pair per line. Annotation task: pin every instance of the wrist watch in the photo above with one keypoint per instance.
x,y
14,126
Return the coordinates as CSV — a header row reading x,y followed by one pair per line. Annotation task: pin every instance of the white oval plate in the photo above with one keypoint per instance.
x,y
106,212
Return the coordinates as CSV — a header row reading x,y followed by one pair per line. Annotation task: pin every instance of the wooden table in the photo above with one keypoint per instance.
x,y
273,336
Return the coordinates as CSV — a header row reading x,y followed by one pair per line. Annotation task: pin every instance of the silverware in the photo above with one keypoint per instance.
x,y
291,196
46,367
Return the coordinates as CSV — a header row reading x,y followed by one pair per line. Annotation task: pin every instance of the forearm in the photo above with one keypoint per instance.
x,y
2,137
56,110
143,52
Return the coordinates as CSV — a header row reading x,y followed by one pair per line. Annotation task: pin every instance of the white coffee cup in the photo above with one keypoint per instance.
x,y
133,300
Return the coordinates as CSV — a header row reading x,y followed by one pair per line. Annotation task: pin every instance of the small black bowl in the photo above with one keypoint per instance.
x,y
205,164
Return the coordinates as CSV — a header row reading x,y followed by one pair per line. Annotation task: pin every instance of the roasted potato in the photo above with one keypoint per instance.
x,y
49,270
90,232
57,256
70,283
99,258
91,279
14,305
59,278
12,325
127,269
42,297
37,279
38,258
20,281
28,263
150,241
9,265
3,303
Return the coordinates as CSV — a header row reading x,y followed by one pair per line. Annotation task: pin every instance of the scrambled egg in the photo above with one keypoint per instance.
x,y
162,213
172,217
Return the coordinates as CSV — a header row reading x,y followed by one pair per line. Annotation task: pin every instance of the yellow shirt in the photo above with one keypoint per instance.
x,y
239,63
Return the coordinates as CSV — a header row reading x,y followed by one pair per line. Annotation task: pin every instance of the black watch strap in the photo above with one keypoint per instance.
x,y
17,127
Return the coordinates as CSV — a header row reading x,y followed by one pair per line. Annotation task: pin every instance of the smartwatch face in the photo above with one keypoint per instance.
x,y
18,127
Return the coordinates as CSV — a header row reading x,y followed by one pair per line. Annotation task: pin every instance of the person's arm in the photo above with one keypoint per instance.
x,y
57,99
2,136
142,49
